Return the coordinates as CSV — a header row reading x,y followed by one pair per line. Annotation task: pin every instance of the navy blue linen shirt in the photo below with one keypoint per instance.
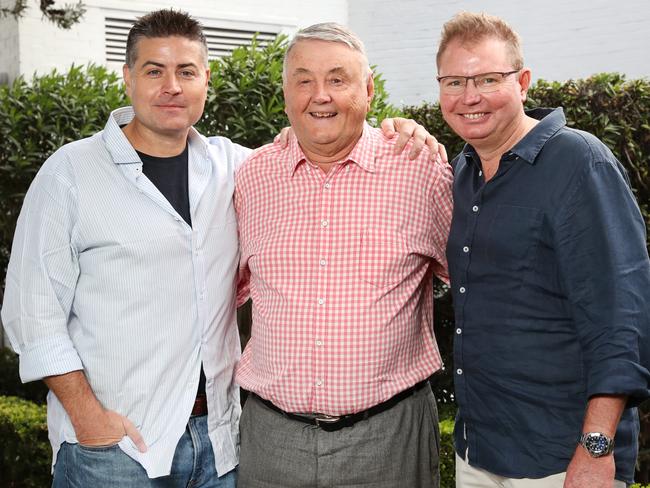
x,y
550,279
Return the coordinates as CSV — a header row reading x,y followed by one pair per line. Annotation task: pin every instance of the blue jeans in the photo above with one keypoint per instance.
x,y
108,467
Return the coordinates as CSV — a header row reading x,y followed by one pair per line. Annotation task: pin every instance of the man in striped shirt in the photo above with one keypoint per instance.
x,y
340,239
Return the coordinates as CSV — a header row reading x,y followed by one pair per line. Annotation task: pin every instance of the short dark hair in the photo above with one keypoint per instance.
x,y
164,23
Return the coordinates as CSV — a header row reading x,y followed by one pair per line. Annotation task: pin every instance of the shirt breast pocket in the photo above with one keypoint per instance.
x,y
382,257
513,235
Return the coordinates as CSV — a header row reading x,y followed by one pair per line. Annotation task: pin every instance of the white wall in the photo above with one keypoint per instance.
x,y
9,53
44,46
562,39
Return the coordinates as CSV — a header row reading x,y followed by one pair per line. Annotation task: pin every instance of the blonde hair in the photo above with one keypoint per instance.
x,y
471,28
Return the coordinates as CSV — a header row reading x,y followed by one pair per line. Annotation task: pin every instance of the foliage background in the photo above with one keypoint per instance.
x,y
245,103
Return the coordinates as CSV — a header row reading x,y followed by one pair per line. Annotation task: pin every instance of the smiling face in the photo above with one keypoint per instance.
x,y
327,93
485,120
167,85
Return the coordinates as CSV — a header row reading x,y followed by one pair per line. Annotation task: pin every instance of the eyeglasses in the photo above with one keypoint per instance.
x,y
484,82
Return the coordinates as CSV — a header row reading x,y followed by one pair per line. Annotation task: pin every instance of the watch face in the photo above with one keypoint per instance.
x,y
597,444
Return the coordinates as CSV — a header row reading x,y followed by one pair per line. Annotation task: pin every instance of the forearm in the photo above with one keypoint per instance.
x,y
603,414
75,394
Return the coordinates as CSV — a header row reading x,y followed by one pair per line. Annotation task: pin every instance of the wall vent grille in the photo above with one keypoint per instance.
x,y
221,40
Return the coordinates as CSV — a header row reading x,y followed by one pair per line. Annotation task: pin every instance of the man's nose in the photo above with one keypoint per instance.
x,y
321,93
471,94
171,84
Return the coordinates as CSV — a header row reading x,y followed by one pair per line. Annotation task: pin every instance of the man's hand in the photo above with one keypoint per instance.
x,y
587,472
407,130
106,429
93,424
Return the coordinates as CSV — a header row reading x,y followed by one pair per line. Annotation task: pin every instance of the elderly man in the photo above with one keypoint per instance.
x,y
340,239
120,289
550,278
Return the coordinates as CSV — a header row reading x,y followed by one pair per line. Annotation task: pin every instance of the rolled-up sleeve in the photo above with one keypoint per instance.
x,y
41,278
601,247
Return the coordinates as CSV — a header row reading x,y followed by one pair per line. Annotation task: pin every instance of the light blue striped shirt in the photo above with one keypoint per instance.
x,y
105,276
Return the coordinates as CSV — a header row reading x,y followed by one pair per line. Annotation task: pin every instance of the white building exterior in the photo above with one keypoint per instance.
x,y
562,39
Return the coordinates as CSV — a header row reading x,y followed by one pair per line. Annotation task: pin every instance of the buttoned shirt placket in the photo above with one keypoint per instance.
x,y
326,182
463,286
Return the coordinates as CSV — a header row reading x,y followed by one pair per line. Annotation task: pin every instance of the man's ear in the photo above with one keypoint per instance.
x,y
525,77
207,78
126,75
370,87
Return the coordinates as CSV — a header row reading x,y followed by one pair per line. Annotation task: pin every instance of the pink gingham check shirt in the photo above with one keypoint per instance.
x,y
339,268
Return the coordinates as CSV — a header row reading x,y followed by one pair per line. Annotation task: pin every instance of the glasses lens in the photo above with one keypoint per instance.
x,y
489,82
453,84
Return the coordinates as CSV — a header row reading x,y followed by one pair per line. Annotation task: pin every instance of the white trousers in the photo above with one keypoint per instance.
x,y
470,477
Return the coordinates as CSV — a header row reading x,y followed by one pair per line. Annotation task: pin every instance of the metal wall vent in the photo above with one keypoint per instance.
x,y
221,40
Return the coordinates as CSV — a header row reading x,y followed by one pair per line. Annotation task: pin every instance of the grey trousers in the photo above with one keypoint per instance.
x,y
396,448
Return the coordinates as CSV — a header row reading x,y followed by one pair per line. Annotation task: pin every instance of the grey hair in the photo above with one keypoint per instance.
x,y
329,32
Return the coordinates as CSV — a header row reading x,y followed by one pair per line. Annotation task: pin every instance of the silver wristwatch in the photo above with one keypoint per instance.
x,y
596,444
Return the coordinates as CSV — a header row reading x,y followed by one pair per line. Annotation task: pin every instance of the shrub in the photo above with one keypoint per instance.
x,y
614,109
38,117
447,454
10,384
244,103
25,454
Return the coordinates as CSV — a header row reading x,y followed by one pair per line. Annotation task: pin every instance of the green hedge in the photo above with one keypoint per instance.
x,y
244,103
25,454
447,455
614,109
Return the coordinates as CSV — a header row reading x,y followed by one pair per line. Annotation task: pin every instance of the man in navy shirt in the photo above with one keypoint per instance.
x,y
550,277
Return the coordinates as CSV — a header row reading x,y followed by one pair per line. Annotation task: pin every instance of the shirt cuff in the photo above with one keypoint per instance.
x,y
53,356
620,377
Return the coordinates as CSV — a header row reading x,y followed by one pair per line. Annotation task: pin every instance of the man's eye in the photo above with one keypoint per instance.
x,y
336,81
454,82
153,72
187,74
488,80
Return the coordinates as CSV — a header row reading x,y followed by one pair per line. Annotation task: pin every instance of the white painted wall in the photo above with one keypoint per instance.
x,y
9,52
562,39
44,46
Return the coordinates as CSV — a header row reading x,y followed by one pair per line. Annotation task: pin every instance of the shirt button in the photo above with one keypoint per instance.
x,y
319,343
321,301
475,208
459,331
462,289
324,223
459,371
322,262
319,382
327,186
465,249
